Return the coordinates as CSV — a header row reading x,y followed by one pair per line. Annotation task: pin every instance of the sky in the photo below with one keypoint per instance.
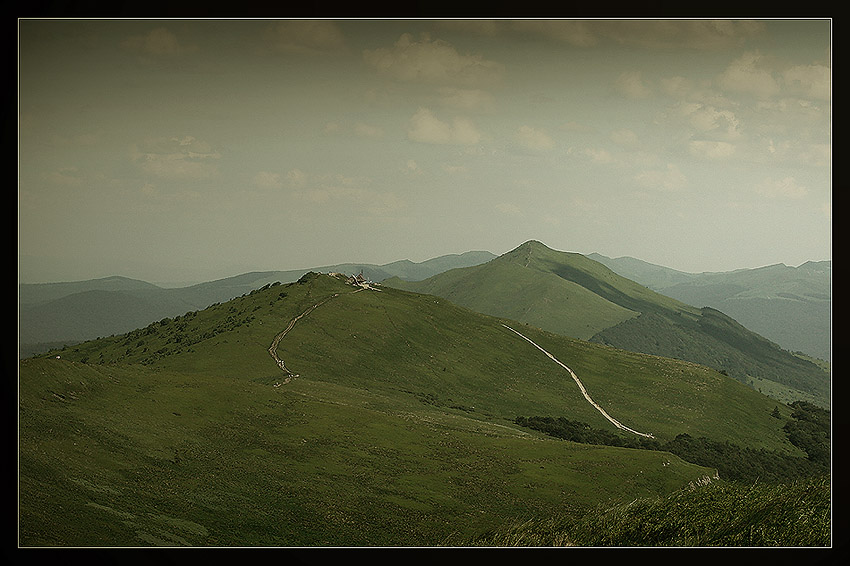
x,y
188,150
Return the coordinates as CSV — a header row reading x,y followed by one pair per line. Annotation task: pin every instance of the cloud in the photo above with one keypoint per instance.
x,y
748,75
427,128
577,127
631,85
296,178
707,149
786,188
412,168
809,81
158,43
434,62
304,36
535,140
350,194
817,155
574,32
682,34
703,121
646,34
266,180
599,155
624,137
669,179
67,177
176,158
346,193
474,100
368,131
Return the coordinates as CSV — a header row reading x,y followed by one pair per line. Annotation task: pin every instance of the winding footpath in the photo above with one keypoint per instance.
x,y
290,375
281,334
613,421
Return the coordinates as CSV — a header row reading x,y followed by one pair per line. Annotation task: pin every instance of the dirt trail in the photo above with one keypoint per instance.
x,y
613,421
280,335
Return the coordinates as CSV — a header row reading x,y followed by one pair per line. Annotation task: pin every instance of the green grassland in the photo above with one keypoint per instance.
x,y
398,431
716,514
572,295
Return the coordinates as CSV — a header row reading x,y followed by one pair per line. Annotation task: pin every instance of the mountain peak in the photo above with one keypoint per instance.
x,y
534,245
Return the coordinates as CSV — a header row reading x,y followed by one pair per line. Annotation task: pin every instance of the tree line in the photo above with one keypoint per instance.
x,y
808,429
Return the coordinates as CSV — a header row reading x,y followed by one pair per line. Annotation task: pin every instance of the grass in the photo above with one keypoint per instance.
x,y
702,515
571,295
398,432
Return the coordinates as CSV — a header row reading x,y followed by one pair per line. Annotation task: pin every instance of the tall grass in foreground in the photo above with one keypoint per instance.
x,y
717,514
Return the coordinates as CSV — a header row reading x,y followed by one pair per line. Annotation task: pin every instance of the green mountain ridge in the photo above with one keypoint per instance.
x,y
584,299
82,310
398,429
790,306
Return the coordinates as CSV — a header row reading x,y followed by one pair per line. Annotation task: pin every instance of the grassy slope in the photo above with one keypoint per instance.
x,y
651,323
788,305
401,418
718,514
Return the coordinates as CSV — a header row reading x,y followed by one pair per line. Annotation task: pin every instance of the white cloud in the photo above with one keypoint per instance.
x,y
533,139
296,178
678,87
705,121
177,158
748,74
649,34
434,61
809,81
266,180
631,85
450,168
576,127
574,32
683,34
368,131
708,149
67,176
818,155
427,128
159,42
473,100
599,155
304,36
669,179
624,137
412,168
786,188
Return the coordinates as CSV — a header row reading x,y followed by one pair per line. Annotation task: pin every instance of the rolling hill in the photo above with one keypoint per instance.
x,y
790,306
54,314
571,294
397,428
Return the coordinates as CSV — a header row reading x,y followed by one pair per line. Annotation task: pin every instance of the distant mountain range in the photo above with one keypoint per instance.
x,y
788,305
589,297
576,296
53,314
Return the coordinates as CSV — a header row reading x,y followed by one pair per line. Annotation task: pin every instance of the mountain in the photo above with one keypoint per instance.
x,y
53,314
574,295
389,420
788,305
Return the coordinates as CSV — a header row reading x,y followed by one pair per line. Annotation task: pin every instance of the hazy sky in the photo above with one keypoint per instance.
x,y
189,150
